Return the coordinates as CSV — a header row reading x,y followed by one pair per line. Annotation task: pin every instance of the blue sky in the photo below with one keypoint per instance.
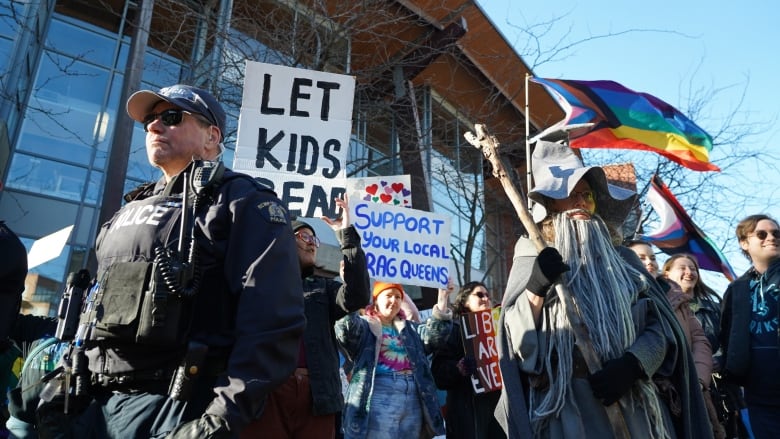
x,y
692,45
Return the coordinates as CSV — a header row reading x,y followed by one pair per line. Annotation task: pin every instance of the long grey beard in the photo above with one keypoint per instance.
x,y
600,281
603,287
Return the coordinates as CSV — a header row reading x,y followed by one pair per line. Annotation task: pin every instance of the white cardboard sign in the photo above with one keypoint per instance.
x,y
403,245
293,134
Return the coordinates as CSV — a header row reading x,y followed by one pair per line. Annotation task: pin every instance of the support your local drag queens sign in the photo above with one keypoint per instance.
x,y
402,245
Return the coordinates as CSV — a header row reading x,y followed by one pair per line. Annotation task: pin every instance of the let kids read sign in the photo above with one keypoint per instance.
x,y
293,134
403,245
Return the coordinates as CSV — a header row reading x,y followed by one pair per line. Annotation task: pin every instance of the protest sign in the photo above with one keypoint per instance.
x,y
403,245
48,247
293,134
392,190
479,341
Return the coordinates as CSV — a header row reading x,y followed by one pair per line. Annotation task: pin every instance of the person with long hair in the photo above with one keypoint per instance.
x,y
690,325
549,391
469,415
683,269
391,393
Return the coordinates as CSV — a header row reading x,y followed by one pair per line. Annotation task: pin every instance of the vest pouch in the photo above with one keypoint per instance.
x,y
162,320
119,308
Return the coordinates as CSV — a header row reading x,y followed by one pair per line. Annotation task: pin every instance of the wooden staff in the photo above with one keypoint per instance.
x,y
489,147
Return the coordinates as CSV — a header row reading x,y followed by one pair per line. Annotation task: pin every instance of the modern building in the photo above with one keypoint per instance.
x,y
426,72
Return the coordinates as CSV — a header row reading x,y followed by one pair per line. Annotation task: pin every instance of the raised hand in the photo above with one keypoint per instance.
x,y
444,295
342,221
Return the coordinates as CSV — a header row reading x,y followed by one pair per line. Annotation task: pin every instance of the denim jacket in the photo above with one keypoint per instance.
x,y
361,336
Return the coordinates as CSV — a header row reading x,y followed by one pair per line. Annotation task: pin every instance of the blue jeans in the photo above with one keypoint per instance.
x,y
395,411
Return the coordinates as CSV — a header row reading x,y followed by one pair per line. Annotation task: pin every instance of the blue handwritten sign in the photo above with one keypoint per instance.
x,y
403,245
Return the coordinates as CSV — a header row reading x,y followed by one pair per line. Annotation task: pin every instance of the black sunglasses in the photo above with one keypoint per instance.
x,y
762,234
481,294
169,117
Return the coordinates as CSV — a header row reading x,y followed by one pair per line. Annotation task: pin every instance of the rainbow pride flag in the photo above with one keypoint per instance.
x,y
677,233
624,119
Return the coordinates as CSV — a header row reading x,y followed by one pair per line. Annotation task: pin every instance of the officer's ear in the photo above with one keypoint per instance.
x,y
212,143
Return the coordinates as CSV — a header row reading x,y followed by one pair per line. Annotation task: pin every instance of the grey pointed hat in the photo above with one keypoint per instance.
x,y
556,170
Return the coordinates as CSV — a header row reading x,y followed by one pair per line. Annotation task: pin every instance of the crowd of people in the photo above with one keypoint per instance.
x,y
209,318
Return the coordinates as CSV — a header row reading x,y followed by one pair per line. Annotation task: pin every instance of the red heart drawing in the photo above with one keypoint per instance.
x,y
385,198
372,189
397,186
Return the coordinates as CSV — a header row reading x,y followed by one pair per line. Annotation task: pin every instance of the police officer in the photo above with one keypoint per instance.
x,y
197,311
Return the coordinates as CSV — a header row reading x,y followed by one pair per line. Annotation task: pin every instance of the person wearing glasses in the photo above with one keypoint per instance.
x,y
469,415
750,325
307,404
197,312
549,389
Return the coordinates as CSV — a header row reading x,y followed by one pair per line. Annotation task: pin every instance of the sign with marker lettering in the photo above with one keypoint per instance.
x,y
479,341
403,245
293,134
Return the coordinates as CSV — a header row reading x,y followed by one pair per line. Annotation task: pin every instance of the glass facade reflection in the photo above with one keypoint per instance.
x,y
60,150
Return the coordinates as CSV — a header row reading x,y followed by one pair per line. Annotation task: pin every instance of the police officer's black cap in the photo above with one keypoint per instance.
x,y
187,97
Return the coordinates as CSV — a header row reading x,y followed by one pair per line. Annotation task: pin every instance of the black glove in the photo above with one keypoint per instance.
x,y
548,267
205,427
467,366
615,378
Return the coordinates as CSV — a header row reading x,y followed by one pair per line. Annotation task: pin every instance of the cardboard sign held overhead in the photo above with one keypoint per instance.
x,y
403,245
293,134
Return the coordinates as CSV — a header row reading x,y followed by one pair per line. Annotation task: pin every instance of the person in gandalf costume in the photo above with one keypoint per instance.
x,y
548,391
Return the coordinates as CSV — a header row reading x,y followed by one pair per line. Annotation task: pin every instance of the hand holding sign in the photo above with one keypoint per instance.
x,y
342,221
444,295
466,366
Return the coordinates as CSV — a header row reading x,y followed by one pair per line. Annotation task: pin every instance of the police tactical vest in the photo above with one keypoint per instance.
x,y
133,300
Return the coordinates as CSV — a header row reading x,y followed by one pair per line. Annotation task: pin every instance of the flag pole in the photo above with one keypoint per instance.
x,y
528,181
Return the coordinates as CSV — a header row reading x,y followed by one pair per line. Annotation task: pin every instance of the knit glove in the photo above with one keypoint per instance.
x,y
205,427
467,366
615,378
548,267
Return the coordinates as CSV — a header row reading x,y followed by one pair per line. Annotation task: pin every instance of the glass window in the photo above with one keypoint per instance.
x,y
9,25
6,46
64,116
39,175
94,188
159,71
80,43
